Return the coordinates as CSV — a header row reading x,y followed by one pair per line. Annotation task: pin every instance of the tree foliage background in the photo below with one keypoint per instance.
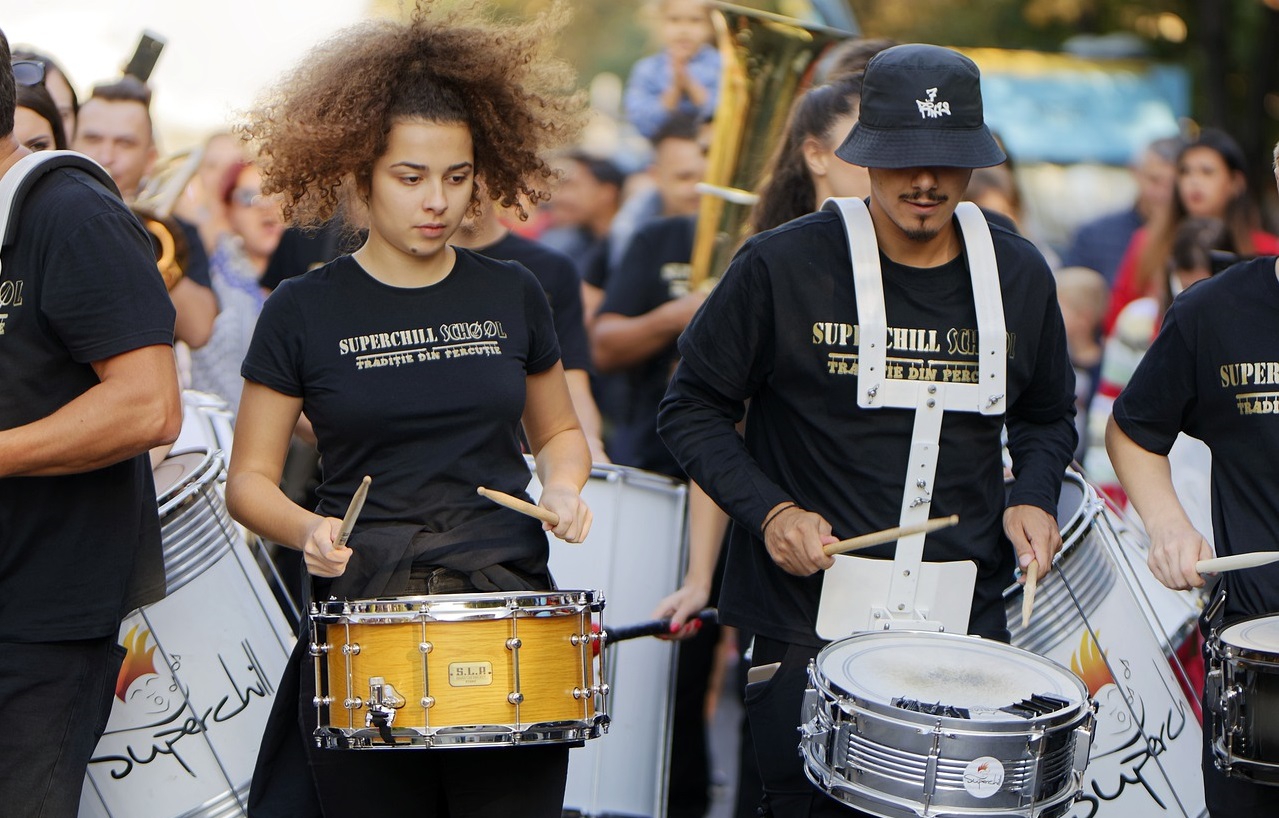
x,y
1230,47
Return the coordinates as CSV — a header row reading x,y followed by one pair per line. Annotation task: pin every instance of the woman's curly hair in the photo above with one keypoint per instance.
x,y
321,128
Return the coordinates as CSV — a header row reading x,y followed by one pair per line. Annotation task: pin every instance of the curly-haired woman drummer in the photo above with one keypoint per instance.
x,y
416,363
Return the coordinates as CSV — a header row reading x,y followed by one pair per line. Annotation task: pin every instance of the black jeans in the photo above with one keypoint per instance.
x,y
773,708
55,698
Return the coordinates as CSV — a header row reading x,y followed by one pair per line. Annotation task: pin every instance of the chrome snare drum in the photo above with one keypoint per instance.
x,y
1243,699
458,670
912,724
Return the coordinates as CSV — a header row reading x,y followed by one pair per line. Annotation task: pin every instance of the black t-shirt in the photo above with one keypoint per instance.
x,y
303,249
563,290
197,266
420,388
79,285
655,269
1213,373
780,331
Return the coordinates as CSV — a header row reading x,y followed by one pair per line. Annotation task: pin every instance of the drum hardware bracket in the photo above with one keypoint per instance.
x,y
1083,746
930,771
318,649
916,620
351,649
353,704
383,702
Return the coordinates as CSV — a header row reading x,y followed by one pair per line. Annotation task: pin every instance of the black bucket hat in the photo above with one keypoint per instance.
x,y
921,107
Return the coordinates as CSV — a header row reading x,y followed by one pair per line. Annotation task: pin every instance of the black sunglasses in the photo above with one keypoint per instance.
x,y
28,72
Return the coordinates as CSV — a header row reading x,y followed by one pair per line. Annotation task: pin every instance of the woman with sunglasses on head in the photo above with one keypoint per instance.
x,y
55,81
417,363
36,124
35,120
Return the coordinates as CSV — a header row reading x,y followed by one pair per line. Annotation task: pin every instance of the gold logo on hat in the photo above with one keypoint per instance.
x,y
932,109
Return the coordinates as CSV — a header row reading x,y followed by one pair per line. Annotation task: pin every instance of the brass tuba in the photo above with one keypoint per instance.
x,y
154,208
767,59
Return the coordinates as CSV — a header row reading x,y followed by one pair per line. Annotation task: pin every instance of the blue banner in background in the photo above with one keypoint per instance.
x,y
1063,109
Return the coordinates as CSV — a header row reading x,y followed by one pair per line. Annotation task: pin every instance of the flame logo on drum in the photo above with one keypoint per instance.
x,y
138,661
1089,664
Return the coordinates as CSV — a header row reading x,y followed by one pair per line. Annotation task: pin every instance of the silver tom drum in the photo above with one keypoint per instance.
x,y
912,725
1243,699
198,680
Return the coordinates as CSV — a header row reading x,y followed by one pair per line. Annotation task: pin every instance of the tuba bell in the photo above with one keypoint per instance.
x,y
154,208
767,59
169,243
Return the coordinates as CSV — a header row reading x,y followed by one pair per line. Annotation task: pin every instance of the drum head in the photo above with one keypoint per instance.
x,y
1260,634
175,471
960,671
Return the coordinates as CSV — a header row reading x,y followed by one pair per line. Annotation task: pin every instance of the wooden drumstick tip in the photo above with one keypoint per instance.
x,y
1028,593
522,506
889,535
353,512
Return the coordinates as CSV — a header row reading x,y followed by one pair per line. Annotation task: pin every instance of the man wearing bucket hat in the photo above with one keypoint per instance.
x,y
791,330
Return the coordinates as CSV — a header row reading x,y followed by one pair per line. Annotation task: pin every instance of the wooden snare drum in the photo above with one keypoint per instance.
x,y
458,670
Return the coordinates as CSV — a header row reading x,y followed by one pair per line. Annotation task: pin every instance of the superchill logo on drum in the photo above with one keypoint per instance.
x,y
156,718
983,777
1125,738
138,662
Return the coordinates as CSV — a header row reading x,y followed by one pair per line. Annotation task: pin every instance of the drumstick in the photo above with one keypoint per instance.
x,y
888,535
516,504
353,512
1218,564
1028,593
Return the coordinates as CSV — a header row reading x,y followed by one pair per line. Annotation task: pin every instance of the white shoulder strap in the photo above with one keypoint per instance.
x,y
874,388
992,332
17,180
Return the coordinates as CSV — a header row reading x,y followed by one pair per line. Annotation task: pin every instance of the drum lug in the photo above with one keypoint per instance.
x,y
1083,744
351,649
424,648
353,704
515,698
1232,700
318,649
427,702
601,689
322,701
579,639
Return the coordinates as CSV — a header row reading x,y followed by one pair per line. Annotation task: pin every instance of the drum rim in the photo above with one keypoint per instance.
x,y
836,694
496,605
204,472
1221,637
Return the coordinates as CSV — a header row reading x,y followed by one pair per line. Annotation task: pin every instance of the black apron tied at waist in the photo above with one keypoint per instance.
x,y
500,550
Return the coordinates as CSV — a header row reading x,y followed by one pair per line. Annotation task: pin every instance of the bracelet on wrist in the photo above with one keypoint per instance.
x,y
763,529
